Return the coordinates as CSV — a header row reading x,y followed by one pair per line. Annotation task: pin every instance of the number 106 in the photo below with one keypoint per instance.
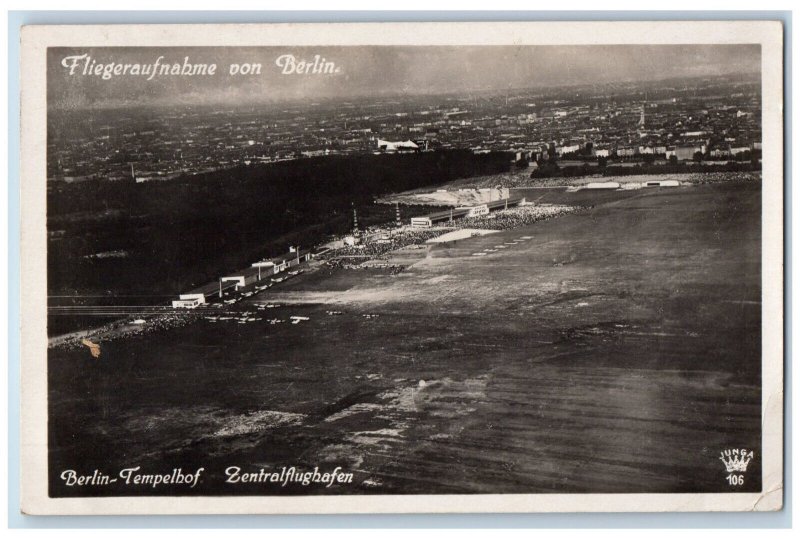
x,y
735,479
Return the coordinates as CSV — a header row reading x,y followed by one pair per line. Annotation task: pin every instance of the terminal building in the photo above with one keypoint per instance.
x,y
427,221
189,301
259,271
264,269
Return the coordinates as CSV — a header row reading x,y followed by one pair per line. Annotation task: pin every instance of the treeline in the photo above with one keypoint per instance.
x,y
184,232
552,170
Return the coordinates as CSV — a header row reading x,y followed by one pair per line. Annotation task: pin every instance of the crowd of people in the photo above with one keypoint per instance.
x,y
717,177
129,326
346,257
513,217
352,256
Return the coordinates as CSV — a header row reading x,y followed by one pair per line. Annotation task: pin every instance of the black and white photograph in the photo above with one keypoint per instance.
x,y
358,268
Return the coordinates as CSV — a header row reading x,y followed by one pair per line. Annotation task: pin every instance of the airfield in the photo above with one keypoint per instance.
x,y
616,349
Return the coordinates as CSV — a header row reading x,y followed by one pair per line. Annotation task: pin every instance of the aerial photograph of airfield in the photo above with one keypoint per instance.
x,y
532,290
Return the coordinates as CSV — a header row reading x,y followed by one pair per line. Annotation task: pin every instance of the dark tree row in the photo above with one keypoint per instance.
x,y
184,232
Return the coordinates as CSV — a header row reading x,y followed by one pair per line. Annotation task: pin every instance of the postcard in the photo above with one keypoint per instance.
x,y
402,267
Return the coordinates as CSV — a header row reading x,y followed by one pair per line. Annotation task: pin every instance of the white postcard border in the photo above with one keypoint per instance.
x,y
33,425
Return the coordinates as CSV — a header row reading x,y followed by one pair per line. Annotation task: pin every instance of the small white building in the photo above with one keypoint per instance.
x,y
265,267
661,183
387,146
686,153
189,301
602,185
474,211
561,150
351,240
421,222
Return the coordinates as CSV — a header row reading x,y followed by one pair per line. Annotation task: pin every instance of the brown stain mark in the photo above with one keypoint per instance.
x,y
93,347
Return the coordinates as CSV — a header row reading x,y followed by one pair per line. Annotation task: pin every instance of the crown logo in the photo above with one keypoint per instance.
x,y
736,460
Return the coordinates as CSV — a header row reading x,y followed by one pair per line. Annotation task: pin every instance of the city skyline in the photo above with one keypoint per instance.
x,y
376,71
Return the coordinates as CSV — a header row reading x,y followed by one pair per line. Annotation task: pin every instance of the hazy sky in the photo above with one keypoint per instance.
x,y
378,71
